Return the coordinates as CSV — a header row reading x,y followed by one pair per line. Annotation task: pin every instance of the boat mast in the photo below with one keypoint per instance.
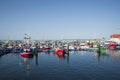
x,y
27,39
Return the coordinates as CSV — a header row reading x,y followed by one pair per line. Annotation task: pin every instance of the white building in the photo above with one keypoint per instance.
x,y
115,38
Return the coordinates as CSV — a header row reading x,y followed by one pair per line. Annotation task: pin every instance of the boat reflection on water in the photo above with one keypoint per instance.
x,y
62,56
26,63
108,53
27,59
0,59
101,54
26,66
78,65
115,54
36,59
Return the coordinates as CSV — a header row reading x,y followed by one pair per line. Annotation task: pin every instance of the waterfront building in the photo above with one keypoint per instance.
x,y
115,38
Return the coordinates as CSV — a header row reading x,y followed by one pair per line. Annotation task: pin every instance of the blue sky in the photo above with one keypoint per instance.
x,y
59,19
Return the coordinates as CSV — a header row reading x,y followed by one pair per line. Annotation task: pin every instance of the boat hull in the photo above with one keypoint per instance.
x,y
60,53
26,54
112,46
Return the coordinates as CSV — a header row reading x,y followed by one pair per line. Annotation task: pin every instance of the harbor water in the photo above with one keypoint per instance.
x,y
77,65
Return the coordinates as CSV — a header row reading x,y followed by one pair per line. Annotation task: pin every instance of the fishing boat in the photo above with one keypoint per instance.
x,y
112,46
59,52
27,53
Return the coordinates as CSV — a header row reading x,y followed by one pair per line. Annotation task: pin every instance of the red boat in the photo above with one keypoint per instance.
x,y
112,46
27,54
60,53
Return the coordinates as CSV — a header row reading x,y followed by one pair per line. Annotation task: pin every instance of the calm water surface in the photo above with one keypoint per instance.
x,y
79,65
